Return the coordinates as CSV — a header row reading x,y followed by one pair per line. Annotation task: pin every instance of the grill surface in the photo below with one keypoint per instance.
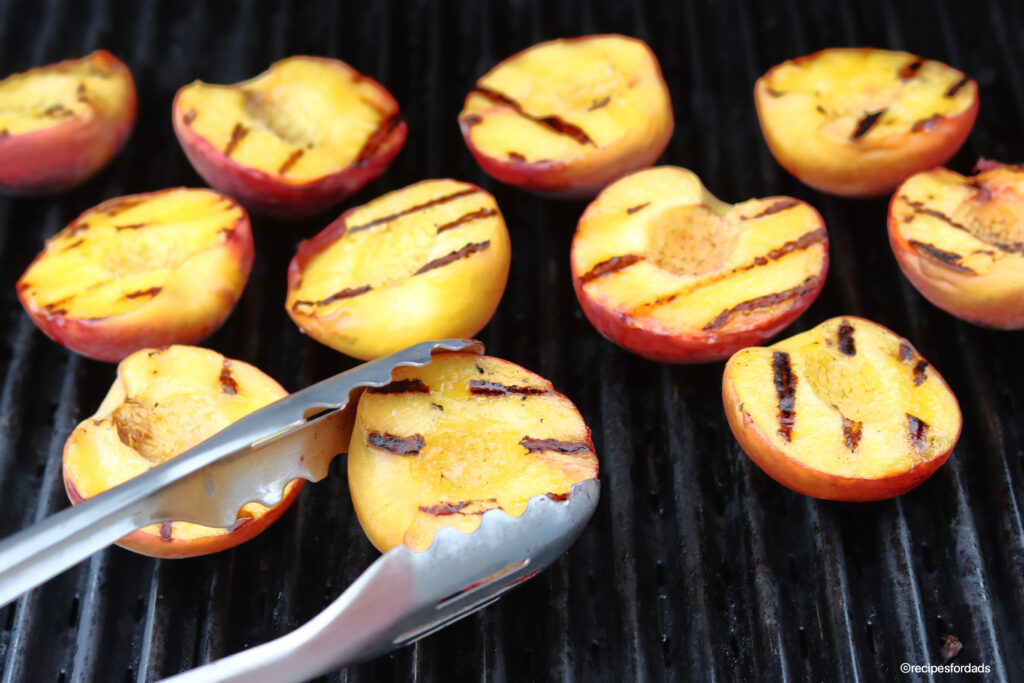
x,y
696,564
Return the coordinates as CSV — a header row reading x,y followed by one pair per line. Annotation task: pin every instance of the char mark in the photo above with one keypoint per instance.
x,y
227,382
457,255
847,345
457,508
947,258
598,103
555,123
238,133
402,386
415,209
77,243
484,388
925,125
918,431
292,159
166,531
533,445
612,265
910,70
866,123
467,218
919,207
633,209
337,296
152,291
906,353
117,206
955,88
920,372
803,242
765,301
378,138
852,433
558,497
776,207
130,226
399,445
189,117
785,389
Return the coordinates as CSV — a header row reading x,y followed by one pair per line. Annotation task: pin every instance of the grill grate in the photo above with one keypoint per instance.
x,y
696,564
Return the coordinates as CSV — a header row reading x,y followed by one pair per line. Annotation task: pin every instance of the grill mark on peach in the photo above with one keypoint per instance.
x,y
290,161
77,243
57,111
762,302
56,307
533,445
152,291
851,432
189,116
925,125
337,296
597,104
516,156
166,531
920,208
910,70
378,138
467,218
920,372
227,383
785,389
456,508
457,255
947,258
238,133
955,88
484,388
906,353
558,497
402,386
130,226
775,208
414,209
866,123
633,209
918,431
847,345
399,445
555,123
117,206
609,266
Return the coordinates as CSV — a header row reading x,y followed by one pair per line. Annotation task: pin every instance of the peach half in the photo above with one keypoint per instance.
x,y
845,411
163,402
139,271
428,261
664,269
857,122
442,444
61,123
569,116
293,141
960,241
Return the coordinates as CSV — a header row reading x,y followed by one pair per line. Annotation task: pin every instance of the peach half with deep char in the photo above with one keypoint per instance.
x,y
664,269
567,117
857,122
293,141
847,410
960,241
140,271
442,444
428,261
163,402
60,124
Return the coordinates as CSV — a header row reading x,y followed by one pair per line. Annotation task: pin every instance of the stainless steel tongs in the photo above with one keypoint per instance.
x,y
402,597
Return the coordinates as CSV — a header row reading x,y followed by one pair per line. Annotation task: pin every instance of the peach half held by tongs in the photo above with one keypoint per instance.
x,y
400,598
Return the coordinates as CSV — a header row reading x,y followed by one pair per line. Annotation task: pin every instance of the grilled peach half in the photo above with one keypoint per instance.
x,y
960,241
444,443
293,141
845,411
428,261
61,123
139,271
163,402
857,122
664,269
567,117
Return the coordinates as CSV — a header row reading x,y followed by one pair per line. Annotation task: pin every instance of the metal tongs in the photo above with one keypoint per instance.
x,y
400,598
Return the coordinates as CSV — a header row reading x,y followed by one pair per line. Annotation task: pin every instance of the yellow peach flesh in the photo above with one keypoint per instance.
x,y
473,448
